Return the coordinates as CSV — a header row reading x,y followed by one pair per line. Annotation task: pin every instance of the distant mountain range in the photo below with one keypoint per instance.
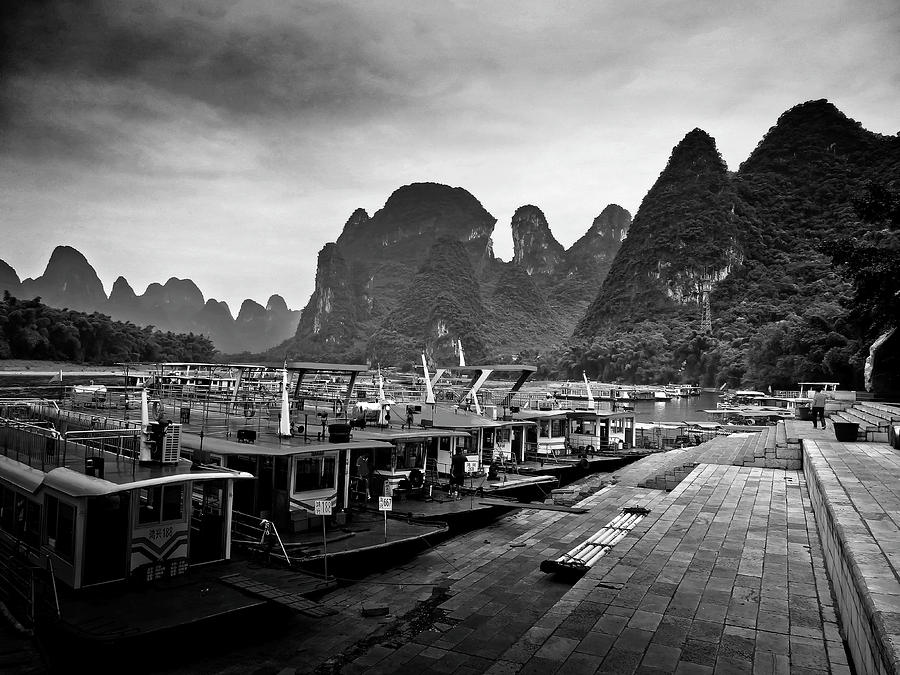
x,y
627,300
741,249
178,305
420,274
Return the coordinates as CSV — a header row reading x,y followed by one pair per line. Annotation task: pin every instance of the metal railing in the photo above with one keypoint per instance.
x,y
27,588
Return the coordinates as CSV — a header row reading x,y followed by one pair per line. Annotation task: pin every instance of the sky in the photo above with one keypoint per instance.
x,y
227,142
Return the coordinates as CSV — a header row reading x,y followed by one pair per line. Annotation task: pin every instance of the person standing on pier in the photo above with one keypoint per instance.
x,y
818,407
457,473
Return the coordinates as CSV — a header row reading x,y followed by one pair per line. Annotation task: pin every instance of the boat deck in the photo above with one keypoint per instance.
x,y
113,613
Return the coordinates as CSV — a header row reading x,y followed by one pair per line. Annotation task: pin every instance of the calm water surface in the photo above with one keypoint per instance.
x,y
674,410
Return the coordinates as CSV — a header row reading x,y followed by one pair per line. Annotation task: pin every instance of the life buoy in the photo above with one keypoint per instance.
x,y
249,410
338,407
583,463
749,421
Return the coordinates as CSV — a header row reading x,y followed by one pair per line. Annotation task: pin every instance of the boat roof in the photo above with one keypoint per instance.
x,y
453,417
325,367
744,413
703,425
607,414
376,433
293,446
499,367
540,414
120,474
658,425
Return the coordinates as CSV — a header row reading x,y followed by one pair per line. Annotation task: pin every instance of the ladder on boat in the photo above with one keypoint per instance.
x,y
431,471
508,465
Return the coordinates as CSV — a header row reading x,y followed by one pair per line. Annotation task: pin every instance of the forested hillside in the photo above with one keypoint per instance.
x,y
32,330
780,307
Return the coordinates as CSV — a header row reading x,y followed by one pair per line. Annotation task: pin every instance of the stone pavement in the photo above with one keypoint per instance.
x,y
856,493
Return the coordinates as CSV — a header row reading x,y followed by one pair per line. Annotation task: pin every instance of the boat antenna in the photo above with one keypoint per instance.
x,y
590,395
429,392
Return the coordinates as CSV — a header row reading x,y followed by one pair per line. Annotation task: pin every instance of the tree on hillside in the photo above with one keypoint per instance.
x,y
871,262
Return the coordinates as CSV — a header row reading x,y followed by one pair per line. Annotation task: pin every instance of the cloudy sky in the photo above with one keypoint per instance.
x,y
228,142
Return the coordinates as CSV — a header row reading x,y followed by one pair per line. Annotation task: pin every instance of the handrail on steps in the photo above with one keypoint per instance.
x,y
269,530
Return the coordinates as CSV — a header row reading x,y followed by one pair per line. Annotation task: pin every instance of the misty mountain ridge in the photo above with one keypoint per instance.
x,y
752,242
624,302
421,274
70,281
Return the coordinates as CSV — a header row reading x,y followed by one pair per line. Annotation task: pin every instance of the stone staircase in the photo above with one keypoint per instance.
x,y
764,447
876,421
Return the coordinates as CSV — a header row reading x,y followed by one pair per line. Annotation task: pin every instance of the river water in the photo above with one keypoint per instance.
x,y
674,410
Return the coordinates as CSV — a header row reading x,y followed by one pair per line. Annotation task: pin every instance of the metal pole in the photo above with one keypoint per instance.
x,y
385,526
325,549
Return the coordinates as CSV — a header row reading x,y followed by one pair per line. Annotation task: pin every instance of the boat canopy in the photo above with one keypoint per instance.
x,y
221,446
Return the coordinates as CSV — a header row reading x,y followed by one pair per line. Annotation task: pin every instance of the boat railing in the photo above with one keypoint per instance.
x,y
43,447
27,582
258,534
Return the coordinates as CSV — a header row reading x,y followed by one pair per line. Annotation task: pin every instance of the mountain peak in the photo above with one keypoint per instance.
x,y
276,304
412,219
694,153
66,256
68,281
9,279
534,247
811,132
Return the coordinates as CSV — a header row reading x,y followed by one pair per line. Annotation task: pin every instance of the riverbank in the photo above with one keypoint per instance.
x,y
24,367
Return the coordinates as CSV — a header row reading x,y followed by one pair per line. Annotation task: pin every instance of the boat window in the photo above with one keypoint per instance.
x,y
163,502
7,517
314,473
149,500
60,527
280,478
557,428
31,533
411,455
173,502
381,458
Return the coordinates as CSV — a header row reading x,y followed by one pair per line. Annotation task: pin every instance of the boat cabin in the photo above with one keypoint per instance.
x,y
547,435
83,504
291,474
807,389
667,435
412,456
590,431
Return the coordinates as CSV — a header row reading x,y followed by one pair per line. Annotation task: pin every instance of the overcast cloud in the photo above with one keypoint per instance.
x,y
227,142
